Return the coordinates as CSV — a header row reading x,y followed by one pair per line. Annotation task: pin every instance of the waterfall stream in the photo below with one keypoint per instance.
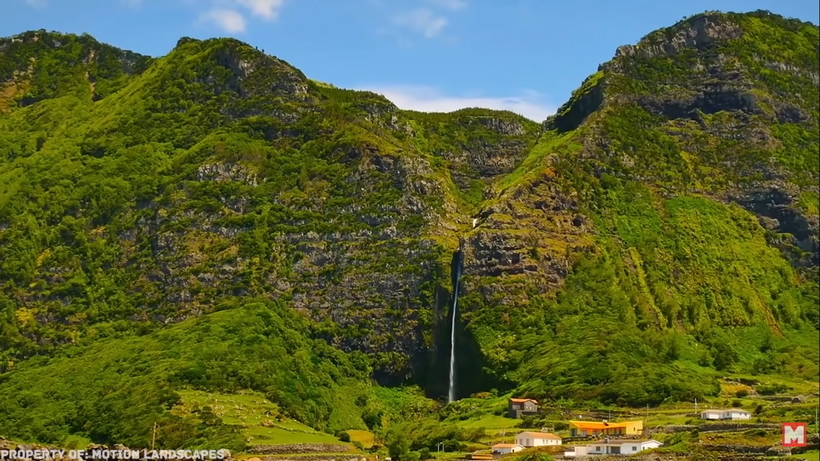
x,y
455,272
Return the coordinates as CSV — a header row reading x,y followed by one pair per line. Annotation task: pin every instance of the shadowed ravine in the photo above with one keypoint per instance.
x,y
455,272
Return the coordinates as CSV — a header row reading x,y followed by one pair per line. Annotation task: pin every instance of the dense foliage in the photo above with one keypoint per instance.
x,y
116,389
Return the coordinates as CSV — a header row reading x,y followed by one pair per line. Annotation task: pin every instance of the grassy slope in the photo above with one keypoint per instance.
x,y
262,347
260,419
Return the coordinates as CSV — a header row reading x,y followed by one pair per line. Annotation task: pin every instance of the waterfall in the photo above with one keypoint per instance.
x,y
455,272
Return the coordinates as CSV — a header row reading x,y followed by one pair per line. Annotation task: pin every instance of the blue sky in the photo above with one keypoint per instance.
x,y
432,55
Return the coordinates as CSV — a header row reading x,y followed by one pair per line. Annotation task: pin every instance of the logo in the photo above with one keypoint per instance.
x,y
794,434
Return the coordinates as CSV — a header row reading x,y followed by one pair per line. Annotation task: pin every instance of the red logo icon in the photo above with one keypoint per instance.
x,y
794,434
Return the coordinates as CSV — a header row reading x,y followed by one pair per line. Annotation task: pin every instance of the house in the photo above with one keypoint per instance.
x,y
506,448
596,428
711,414
537,439
733,414
520,407
621,447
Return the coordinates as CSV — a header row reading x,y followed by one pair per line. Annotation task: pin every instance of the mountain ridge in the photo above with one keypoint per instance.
x,y
669,200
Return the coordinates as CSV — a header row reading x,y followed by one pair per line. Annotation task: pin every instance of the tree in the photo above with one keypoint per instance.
x,y
398,445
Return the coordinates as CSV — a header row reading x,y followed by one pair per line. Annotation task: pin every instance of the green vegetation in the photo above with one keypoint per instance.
x,y
117,389
690,283
214,243
261,421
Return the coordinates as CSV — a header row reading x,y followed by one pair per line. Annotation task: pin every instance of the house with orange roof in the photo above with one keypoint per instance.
x,y
596,428
506,448
520,407
537,439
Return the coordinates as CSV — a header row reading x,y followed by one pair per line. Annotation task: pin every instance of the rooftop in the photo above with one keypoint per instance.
x,y
622,441
506,445
600,424
729,409
517,400
541,435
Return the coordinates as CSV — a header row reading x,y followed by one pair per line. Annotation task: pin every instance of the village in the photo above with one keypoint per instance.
x,y
607,438
739,425
490,427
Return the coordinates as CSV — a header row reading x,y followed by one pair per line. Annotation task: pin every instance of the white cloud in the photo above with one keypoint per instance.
x,y
452,5
530,104
267,9
37,3
230,21
422,21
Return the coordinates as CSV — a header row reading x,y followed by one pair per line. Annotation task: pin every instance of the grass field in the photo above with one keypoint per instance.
x,y
260,419
366,438
490,422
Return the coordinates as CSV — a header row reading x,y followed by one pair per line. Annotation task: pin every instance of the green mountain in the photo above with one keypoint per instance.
x,y
213,219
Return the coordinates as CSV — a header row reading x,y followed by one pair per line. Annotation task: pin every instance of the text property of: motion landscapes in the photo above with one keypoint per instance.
x,y
114,454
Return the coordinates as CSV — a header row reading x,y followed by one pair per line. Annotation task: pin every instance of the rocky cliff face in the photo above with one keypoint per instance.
x,y
713,94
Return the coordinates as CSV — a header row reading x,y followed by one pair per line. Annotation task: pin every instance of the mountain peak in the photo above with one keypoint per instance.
x,y
254,73
731,48
698,32
38,65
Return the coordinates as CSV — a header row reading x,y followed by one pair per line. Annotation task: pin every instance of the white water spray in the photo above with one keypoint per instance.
x,y
452,395
455,272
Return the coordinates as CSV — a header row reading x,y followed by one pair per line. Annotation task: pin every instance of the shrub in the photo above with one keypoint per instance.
x,y
772,389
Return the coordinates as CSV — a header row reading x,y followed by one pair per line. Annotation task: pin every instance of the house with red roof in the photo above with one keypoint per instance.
x,y
519,407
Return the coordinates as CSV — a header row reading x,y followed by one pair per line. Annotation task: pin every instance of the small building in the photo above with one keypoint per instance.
x,y
621,447
537,439
522,407
604,428
506,448
733,414
711,414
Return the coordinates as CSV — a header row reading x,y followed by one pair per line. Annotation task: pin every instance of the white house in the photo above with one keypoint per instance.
x,y
711,414
506,448
620,447
733,414
537,439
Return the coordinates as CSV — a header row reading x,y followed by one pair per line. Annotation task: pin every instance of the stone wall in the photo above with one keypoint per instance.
x,y
295,448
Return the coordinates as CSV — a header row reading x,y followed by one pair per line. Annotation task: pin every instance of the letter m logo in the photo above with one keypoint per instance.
x,y
794,434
